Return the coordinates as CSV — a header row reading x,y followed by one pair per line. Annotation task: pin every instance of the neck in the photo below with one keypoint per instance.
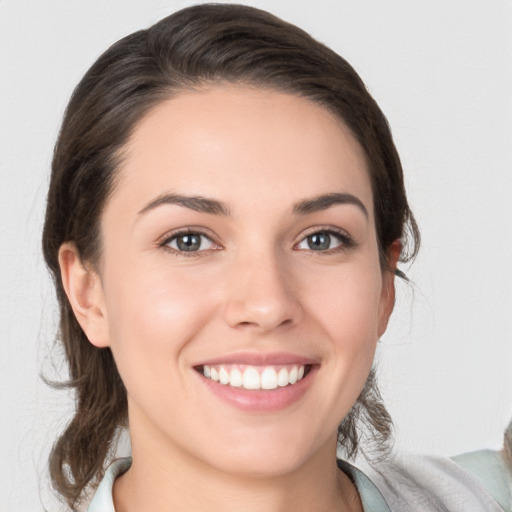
x,y
167,477
162,481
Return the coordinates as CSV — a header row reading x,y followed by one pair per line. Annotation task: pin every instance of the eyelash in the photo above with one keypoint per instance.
x,y
168,239
345,241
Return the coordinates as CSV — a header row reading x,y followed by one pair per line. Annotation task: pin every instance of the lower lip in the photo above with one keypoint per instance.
x,y
261,400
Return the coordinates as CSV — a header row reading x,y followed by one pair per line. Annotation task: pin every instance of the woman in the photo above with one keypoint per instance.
x,y
225,217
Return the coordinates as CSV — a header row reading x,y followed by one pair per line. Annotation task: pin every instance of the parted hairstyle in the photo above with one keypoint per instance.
x,y
194,48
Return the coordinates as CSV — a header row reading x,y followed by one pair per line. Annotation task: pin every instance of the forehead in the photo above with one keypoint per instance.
x,y
235,142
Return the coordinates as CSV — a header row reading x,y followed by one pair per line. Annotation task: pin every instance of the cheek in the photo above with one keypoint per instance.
x,y
347,302
344,309
346,306
153,314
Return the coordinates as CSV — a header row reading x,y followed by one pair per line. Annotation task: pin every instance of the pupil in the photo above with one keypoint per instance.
x,y
319,241
189,242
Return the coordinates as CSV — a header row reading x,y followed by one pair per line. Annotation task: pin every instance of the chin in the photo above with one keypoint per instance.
x,y
269,456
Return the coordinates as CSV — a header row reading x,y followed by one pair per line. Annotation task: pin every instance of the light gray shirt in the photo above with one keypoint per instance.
x,y
474,482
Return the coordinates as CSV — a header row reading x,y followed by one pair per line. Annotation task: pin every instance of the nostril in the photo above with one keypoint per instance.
x,y
262,311
264,324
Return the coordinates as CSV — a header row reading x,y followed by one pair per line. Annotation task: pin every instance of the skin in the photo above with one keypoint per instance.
x,y
257,287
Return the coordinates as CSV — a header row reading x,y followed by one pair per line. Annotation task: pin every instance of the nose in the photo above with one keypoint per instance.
x,y
262,295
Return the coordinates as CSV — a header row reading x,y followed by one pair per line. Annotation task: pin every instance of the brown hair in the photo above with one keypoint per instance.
x,y
197,46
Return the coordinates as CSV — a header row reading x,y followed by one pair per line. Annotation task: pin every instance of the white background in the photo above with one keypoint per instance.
x,y
442,72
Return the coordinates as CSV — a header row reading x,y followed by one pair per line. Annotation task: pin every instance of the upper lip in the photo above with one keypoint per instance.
x,y
259,359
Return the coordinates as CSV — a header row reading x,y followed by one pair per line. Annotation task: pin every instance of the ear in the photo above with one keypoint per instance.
x,y
84,290
387,299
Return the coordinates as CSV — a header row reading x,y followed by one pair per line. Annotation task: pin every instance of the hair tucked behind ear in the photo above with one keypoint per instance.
x,y
195,47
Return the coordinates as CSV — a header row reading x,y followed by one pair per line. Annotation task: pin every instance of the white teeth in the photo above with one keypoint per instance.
x,y
236,378
282,378
269,378
254,377
292,376
223,375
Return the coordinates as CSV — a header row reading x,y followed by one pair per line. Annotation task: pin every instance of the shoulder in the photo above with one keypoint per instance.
x,y
492,471
480,482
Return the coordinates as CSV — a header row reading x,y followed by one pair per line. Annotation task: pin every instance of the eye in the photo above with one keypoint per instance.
x,y
325,240
189,242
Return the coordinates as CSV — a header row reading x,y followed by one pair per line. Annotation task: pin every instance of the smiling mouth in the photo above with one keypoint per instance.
x,y
255,377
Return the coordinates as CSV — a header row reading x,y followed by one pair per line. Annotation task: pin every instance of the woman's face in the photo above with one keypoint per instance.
x,y
240,289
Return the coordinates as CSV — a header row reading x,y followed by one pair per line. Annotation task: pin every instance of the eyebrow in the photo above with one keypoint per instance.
x,y
197,203
214,207
325,201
